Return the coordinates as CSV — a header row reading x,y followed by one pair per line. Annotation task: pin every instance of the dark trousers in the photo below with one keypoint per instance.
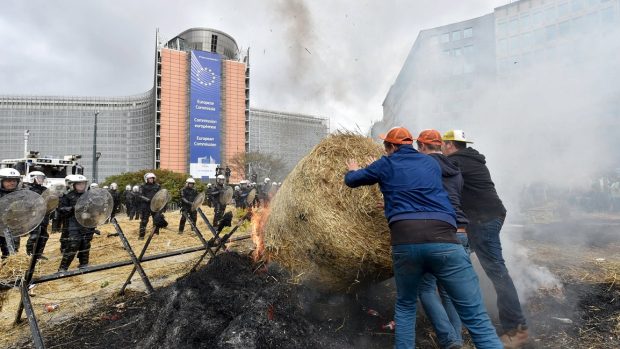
x,y
32,239
144,219
485,242
218,212
77,243
193,215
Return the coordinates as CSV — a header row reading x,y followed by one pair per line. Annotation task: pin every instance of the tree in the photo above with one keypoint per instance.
x,y
264,165
169,180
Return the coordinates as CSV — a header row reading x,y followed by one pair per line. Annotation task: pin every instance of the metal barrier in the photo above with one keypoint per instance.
x,y
211,247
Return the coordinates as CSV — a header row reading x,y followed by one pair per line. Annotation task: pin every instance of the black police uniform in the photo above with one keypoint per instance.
x,y
116,197
218,209
147,191
77,238
3,245
188,195
39,189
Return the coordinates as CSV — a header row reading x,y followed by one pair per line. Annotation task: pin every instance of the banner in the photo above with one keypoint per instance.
x,y
205,107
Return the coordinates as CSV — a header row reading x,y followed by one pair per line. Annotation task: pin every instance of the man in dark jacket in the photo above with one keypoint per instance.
x,y
128,199
78,237
147,191
486,214
37,179
423,235
444,317
188,195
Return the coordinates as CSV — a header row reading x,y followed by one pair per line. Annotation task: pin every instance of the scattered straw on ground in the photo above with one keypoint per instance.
x,y
321,229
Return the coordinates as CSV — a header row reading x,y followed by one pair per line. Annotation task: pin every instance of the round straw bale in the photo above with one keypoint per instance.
x,y
322,230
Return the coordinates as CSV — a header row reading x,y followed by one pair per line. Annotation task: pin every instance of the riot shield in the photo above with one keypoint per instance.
x,y
21,212
51,200
198,201
159,200
250,198
226,196
94,207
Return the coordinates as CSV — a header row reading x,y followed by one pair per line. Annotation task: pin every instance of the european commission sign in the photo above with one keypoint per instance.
x,y
205,120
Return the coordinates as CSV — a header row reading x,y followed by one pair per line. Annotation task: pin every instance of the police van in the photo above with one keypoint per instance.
x,y
55,169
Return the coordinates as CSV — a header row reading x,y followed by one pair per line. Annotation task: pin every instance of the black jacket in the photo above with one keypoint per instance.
x,y
149,190
116,198
39,189
479,198
188,195
66,208
452,181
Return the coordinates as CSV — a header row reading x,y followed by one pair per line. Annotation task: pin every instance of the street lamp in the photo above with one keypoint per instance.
x,y
96,154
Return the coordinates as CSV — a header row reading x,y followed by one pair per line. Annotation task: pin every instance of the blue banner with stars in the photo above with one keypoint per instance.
x,y
205,118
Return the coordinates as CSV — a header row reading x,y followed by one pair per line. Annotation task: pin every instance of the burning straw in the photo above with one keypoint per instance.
x,y
320,229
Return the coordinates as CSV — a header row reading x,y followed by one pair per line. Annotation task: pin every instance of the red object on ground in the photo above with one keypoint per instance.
x,y
50,307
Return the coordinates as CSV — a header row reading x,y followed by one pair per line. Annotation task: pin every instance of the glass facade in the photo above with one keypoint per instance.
x,y
287,136
64,126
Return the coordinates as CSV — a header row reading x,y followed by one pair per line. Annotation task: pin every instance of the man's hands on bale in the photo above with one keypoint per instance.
x,y
352,165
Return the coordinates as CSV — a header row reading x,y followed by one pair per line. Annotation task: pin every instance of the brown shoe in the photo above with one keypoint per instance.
x,y
515,338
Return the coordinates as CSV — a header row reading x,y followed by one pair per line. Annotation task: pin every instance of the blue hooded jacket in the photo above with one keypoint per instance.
x,y
411,185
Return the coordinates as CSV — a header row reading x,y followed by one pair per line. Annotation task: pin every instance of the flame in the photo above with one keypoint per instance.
x,y
259,218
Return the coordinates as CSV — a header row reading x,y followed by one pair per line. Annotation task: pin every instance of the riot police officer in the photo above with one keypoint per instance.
x,y
188,195
265,191
136,203
147,191
36,180
116,196
209,192
244,191
216,193
9,182
77,237
128,198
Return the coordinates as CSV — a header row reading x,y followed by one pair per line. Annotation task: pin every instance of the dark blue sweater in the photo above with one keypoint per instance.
x,y
411,185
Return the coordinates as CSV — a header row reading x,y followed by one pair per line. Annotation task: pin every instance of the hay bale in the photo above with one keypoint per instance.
x,y
324,231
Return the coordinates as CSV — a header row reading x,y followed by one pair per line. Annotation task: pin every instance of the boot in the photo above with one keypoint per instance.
x,y
515,338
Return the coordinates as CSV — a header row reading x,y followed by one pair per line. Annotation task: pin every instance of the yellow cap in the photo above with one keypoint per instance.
x,y
455,135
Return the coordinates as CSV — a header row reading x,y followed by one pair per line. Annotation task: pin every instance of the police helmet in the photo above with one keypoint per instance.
x,y
149,175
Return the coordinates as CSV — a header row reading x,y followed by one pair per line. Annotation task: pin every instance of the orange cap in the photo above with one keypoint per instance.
x,y
398,135
430,137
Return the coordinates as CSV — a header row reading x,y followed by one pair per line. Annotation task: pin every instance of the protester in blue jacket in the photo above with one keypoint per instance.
x,y
423,235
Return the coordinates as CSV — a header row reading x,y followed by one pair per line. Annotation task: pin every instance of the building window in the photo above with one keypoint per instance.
x,y
550,14
468,32
563,9
213,43
514,26
608,15
577,5
537,18
456,35
514,44
551,32
501,29
564,28
502,47
468,50
445,37
457,52
525,22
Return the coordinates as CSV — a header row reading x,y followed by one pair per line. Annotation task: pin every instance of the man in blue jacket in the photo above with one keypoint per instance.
x,y
423,235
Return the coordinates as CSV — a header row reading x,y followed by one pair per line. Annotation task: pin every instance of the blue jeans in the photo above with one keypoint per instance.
x,y
439,308
450,264
485,242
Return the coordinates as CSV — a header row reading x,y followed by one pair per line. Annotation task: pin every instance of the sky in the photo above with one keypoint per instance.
x,y
328,58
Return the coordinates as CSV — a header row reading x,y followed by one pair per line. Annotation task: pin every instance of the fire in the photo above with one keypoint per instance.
x,y
259,218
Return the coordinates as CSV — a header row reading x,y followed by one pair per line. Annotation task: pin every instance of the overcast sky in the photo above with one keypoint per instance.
x,y
321,57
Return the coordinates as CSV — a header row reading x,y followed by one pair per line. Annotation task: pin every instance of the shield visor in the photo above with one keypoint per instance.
x,y
51,200
94,207
159,200
226,196
21,212
251,196
198,201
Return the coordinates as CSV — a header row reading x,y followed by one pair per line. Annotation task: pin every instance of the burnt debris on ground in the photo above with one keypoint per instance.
x,y
227,304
